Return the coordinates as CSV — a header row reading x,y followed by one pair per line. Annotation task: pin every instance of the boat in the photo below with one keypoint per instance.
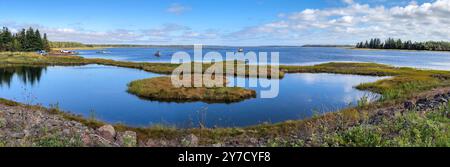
x,y
241,50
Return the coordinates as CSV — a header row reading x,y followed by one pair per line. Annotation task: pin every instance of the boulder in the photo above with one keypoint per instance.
x,y
409,105
191,141
107,132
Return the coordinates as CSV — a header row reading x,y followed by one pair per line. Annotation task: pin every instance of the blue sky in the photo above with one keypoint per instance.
x,y
221,22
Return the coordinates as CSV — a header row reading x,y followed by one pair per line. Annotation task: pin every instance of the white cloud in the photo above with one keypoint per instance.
x,y
427,21
348,1
178,9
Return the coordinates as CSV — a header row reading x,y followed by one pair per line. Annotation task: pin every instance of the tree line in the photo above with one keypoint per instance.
x,y
391,43
67,45
25,40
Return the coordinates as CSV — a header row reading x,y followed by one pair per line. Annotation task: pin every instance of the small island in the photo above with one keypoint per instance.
x,y
161,89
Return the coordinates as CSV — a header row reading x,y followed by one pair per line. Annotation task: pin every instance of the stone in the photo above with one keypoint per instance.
x,y
107,132
191,141
127,139
17,135
422,101
218,145
66,132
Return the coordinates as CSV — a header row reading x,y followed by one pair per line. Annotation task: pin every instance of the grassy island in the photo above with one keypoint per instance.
x,y
161,89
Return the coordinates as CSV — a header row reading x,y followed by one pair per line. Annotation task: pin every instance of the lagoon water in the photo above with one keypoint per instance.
x,y
100,91
293,55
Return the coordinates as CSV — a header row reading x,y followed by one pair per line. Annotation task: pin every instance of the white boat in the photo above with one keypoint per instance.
x,y
241,50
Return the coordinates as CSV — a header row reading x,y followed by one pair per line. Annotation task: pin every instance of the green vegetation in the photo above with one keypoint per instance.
x,y
403,82
8,102
67,45
161,89
25,40
410,129
391,43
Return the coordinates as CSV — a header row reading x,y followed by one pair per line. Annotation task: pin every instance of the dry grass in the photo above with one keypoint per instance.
x,y
161,89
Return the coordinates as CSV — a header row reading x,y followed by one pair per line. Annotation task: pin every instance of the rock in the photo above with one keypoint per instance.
x,y
127,139
409,105
86,139
107,132
17,135
191,141
254,140
443,100
218,145
156,143
66,132
151,143
422,101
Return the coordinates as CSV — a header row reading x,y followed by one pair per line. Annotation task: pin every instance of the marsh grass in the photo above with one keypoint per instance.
x,y
161,89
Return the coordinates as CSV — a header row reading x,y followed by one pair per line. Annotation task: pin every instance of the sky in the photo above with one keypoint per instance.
x,y
229,22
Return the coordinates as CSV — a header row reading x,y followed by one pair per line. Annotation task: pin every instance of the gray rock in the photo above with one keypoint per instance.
x,y
107,132
254,140
191,141
17,135
409,105
218,145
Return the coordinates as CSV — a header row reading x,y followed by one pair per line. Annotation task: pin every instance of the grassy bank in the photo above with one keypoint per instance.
x,y
161,89
403,82
32,59
79,48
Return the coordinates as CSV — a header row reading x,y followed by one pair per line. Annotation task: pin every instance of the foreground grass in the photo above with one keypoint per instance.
x,y
410,129
161,89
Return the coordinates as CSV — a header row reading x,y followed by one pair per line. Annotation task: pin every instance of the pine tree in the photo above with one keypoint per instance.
x,y
46,43
38,44
29,40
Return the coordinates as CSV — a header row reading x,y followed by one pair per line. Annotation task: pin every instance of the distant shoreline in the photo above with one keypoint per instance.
x,y
407,50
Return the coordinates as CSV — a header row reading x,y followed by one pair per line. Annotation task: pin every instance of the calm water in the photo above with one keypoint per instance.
x,y
101,91
295,55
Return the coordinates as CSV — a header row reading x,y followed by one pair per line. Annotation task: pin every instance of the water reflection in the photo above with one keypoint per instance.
x,y
28,75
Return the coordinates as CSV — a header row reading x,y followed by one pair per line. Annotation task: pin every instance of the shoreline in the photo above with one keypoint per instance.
x,y
406,50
